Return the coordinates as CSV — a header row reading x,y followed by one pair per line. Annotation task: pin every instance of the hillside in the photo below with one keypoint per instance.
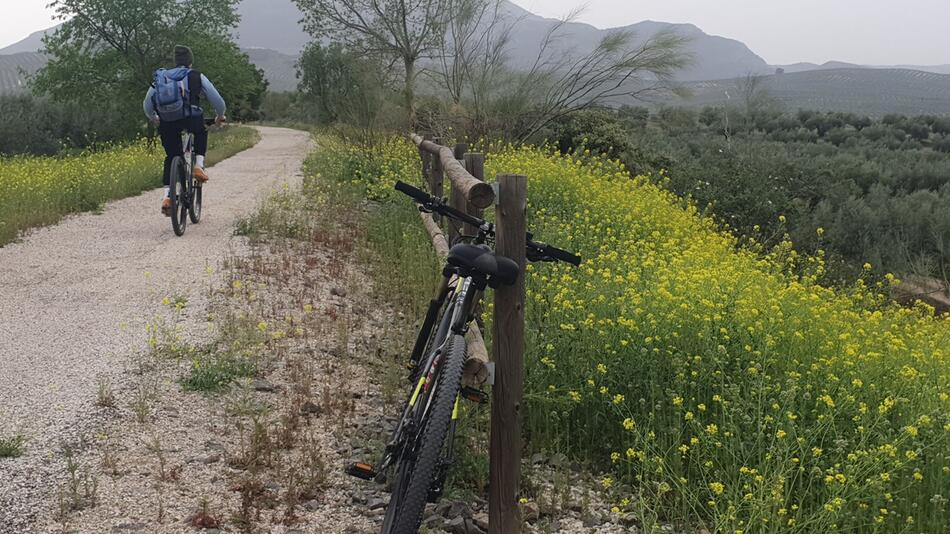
x,y
280,69
14,67
872,92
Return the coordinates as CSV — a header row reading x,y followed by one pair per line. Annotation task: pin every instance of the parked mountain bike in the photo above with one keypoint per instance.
x,y
420,451
185,189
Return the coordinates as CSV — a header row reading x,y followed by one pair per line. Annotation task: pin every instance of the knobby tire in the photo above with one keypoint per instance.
x,y
404,513
178,194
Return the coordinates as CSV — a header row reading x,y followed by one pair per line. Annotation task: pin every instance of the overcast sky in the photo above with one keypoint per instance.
x,y
781,31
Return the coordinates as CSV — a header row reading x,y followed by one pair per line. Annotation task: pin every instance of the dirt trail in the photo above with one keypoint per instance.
x,y
73,298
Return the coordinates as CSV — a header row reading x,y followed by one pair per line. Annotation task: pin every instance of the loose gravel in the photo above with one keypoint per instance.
x,y
73,301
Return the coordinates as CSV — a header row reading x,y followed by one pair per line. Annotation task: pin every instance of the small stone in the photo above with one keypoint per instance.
x,y
628,519
432,522
455,525
128,527
264,386
312,506
530,511
481,520
592,520
537,458
211,459
558,460
376,504
214,446
358,499
338,292
309,408
456,509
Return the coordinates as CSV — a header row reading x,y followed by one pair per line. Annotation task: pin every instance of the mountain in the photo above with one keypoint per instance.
x,y
280,69
866,91
803,67
15,67
271,34
275,25
32,43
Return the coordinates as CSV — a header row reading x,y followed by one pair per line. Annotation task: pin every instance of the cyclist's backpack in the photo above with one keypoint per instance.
x,y
176,93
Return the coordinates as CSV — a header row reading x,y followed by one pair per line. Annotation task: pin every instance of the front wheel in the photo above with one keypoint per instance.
x,y
179,195
420,462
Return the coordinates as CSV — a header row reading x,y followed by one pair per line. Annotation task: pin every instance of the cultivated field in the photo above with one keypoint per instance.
x,y
872,92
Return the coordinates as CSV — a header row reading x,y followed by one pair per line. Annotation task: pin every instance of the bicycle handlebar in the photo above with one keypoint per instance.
x,y
544,251
535,251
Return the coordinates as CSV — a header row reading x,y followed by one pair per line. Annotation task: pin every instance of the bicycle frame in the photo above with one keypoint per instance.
x,y
465,293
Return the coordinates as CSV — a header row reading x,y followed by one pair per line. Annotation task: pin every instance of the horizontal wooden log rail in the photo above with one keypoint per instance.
x,y
476,192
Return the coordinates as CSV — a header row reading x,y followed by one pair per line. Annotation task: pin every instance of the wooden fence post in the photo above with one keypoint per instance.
x,y
456,200
504,515
436,174
426,164
475,165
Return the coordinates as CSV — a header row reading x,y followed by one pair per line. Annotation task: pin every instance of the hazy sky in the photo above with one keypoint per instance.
x,y
781,31
787,31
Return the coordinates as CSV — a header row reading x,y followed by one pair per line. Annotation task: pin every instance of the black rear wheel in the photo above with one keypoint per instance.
x,y
419,464
195,211
179,196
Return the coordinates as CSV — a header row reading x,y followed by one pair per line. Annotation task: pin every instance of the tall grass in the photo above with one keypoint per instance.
x,y
721,384
37,191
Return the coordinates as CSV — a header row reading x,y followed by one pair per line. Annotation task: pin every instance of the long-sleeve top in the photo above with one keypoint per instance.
x,y
207,90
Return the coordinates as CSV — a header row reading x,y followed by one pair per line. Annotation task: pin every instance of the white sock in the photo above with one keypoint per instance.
x,y
201,161
166,193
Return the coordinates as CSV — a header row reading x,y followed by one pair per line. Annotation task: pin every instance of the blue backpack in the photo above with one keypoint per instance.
x,y
176,93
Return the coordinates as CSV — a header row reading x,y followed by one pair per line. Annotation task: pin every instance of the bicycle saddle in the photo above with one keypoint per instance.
x,y
476,259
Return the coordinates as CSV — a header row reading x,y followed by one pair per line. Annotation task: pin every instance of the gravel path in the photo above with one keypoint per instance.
x,y
73,297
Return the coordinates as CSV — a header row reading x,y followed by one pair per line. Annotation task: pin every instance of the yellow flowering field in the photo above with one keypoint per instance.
x,y
716,382
36,191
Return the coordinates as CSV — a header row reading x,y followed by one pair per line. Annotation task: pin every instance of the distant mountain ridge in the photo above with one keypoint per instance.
x,y
275,25
271,34
806,66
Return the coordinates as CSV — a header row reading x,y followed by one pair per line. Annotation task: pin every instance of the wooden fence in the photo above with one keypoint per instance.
x,y
468,192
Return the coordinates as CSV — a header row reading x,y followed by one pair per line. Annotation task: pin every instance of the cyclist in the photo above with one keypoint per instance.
x,y
189,116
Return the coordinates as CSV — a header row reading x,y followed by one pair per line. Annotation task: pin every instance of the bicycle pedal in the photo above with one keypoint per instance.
x,y
474,395
361,470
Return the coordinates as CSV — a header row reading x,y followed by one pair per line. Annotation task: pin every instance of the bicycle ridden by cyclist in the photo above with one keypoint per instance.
x,y
172,103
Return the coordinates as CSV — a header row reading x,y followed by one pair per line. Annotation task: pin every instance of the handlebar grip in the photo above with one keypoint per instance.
x,y
413,192
563,255
556,253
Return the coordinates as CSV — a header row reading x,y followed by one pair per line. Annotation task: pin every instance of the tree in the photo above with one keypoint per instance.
x,y
757,102
397,30
240,83
559,81
106,51
341,85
